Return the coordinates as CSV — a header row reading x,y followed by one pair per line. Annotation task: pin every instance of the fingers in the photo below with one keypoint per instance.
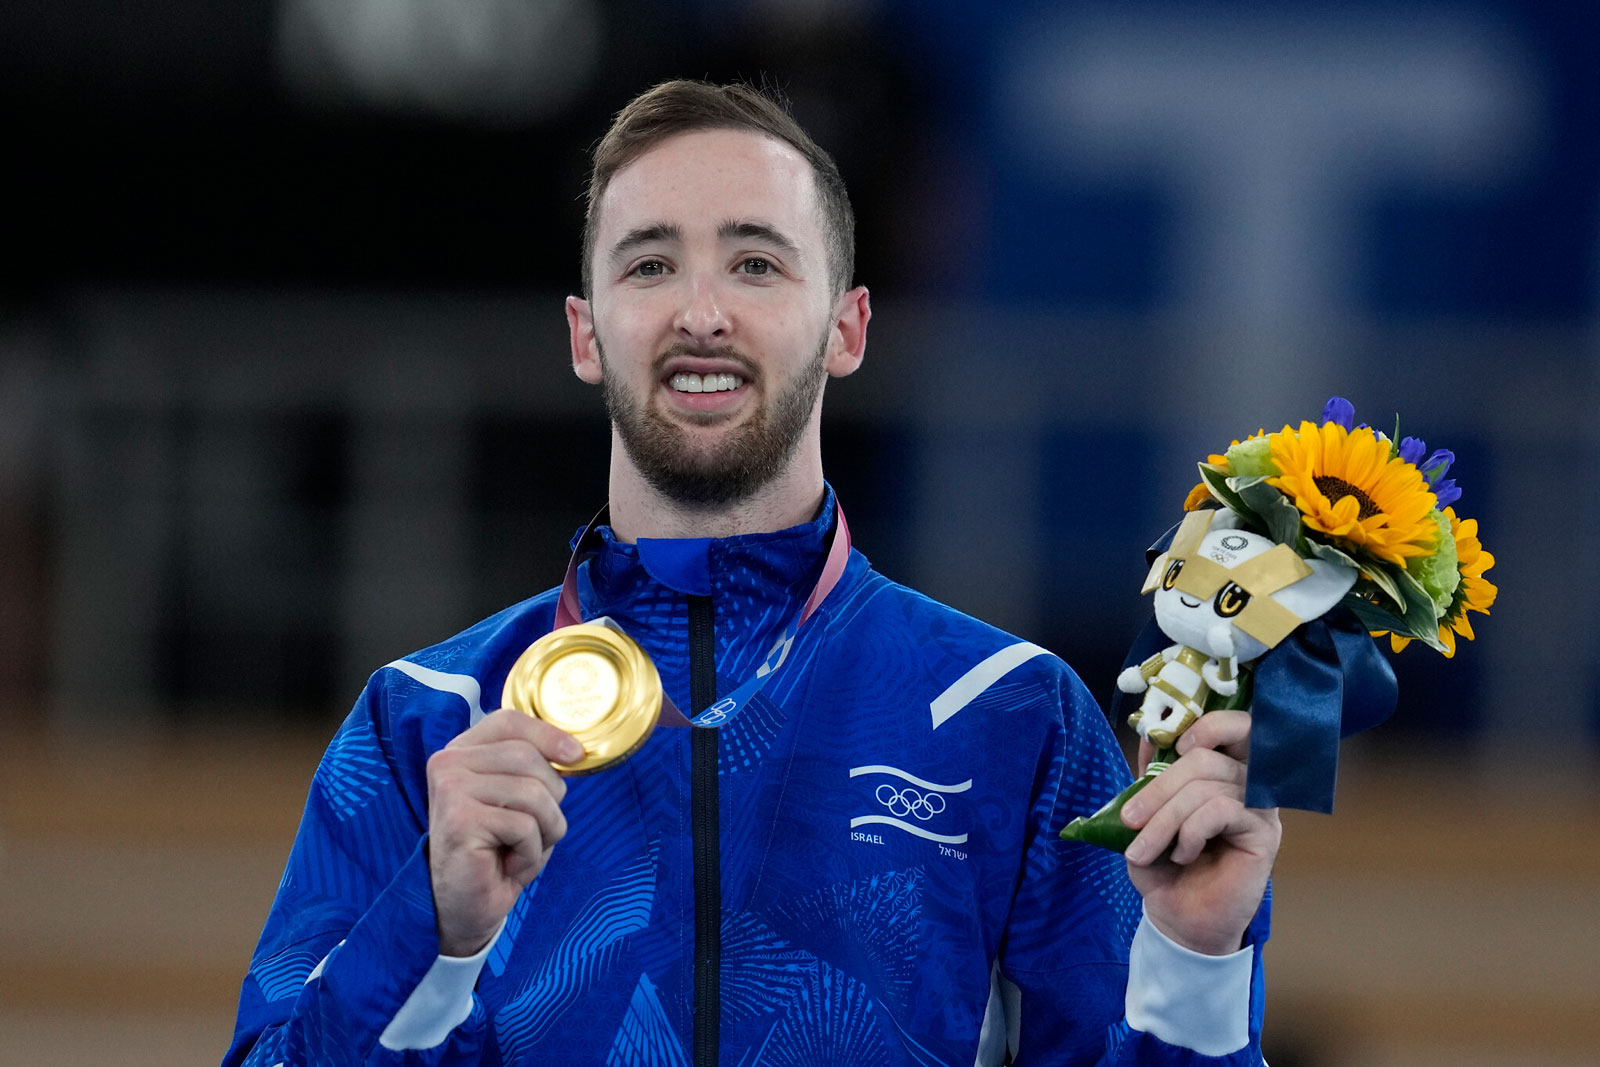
x,y
508,724
1226,731
507,742
492,790
1198,798
1213,818
469,807
1203,768
520,793
494,815
501,763
1164,806
522,839
507,758
480,858
1192,820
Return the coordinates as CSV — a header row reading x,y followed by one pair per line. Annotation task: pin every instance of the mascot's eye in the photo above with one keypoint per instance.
x,y
1170,578
1231,600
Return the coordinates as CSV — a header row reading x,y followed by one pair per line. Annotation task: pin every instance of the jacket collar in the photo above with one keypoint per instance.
x,y
763,566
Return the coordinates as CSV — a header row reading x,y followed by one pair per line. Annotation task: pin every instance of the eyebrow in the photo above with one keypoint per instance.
x,y
749,230
731,229
652,233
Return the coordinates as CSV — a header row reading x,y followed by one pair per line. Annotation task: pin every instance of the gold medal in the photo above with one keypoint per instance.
x,y
593,681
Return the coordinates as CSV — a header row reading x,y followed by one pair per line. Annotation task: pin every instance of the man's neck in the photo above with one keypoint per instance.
x,y
638,510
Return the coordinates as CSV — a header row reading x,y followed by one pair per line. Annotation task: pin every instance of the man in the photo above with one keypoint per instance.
x,y
861,867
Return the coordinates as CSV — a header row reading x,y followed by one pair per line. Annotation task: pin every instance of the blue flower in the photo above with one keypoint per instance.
x,y
1447,492
1339,410
1434,469
1437,465
1412,449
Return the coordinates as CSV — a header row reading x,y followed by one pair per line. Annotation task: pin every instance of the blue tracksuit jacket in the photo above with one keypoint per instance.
x,y
887,817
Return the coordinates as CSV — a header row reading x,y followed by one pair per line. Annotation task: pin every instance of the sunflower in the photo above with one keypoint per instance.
x,y
1350,486
1475,593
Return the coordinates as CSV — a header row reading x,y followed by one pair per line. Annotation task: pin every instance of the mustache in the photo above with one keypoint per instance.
x,y
693,351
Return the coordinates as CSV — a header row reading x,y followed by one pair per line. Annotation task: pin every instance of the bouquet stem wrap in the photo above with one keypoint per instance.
x,y
1105,827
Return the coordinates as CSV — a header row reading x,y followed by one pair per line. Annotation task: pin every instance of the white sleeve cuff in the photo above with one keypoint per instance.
x,y
440,1003
1187,998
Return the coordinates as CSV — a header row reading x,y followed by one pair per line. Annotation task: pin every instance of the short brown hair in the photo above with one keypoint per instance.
x,y
683,106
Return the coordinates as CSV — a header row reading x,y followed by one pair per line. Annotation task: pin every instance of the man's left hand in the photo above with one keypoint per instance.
x,y
1204,895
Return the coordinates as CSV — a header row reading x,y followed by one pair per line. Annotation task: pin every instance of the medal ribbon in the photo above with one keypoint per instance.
x,y
569,612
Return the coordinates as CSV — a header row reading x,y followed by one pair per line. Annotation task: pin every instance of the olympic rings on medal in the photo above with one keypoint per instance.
x,y
908,801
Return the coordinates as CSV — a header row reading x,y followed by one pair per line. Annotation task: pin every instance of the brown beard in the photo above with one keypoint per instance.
x,y
752,455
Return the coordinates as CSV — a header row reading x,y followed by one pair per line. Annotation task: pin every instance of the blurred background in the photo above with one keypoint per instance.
x,y
284,394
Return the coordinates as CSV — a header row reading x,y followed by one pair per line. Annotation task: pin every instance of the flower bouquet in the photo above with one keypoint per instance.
x,y
1296,547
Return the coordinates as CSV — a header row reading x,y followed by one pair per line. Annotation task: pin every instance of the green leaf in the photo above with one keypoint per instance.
x,y
1374,617
1241,482
1278,514
1331,554
1431,639
1416,622
1383,575
1217,481
1422,614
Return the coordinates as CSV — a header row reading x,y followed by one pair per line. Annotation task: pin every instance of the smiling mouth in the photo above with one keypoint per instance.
x,y
689,382
1186,602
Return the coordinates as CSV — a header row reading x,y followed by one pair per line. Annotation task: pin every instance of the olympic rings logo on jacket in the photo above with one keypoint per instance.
x,y
909,801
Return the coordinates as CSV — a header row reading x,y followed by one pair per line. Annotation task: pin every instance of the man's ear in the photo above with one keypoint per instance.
x,y
847,341
585,348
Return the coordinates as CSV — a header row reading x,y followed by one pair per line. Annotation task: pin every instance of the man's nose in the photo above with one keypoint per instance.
x,y
702,317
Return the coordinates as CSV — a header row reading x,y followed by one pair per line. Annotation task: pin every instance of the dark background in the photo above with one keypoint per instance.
x,y
329,159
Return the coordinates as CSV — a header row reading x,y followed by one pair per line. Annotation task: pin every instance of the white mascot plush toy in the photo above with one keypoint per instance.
x,y
1224,595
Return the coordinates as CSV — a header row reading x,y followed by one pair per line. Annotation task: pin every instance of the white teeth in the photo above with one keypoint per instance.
x,y
688,382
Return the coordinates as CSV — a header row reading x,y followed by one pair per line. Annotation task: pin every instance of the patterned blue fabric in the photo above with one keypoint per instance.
x,y
875,866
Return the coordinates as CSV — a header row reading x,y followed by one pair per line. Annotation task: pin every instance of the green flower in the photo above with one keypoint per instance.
x,y
1252,458
1438,572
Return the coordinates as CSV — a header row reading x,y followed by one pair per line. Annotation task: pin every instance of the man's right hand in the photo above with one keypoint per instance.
x,y
494,814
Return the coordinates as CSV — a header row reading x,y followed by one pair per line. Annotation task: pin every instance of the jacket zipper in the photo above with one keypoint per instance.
x,y
704,835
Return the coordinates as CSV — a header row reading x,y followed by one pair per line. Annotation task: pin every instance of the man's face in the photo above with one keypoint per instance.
x,y
711,326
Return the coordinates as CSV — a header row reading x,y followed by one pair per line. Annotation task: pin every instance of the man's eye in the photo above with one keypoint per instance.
x,y
756,265
650,268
